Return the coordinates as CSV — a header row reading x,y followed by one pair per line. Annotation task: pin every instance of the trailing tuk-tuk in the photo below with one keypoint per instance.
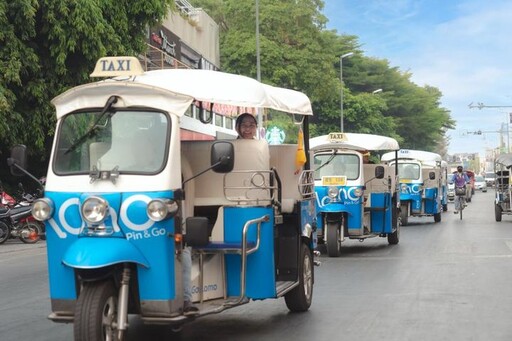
x,y
126,193
355,200
421,181
503,191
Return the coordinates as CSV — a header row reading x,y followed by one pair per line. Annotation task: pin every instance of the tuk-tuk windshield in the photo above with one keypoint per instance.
x,y
336,165
409,171
123,141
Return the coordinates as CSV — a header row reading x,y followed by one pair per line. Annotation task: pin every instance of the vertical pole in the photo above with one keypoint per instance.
x,y
258,63
341,94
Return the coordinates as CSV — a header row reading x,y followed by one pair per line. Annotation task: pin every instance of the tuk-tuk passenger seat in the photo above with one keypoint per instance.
x,y
282,159
205,195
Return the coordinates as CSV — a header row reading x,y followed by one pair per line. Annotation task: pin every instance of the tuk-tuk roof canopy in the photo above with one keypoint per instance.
x,y
175,89
504,159
354,141
424,157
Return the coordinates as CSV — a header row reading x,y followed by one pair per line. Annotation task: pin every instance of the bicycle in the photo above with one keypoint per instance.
x,y
460,193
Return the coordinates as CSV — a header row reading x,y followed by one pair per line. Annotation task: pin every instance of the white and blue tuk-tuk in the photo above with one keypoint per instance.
x,y
421,181
503,190
125,192
354,199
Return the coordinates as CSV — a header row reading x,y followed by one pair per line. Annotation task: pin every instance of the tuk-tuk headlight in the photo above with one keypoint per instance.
x,y
94,210
160,209
333,192
403,188
358,192
42,209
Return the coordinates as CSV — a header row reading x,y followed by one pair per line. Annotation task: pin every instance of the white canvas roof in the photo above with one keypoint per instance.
x,y
354,141
175,89
504,159
428,158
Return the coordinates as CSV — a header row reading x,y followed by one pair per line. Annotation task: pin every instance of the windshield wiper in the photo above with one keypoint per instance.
x,y
334,152
111,101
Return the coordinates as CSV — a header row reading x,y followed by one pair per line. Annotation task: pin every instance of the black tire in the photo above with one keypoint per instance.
x,y
497,212
461,207
404,213
5,232
394,238
299,298
445,207
33,228
437,217
96,312
333,234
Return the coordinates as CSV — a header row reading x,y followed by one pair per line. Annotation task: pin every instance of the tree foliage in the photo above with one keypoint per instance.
x,y
47,46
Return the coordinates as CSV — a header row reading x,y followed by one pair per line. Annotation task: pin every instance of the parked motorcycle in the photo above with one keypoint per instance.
x,y
16,220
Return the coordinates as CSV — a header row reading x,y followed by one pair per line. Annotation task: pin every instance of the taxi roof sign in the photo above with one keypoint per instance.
x,y
117,66
337,137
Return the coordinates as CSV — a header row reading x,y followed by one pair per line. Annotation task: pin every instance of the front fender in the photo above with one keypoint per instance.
x,y
91,253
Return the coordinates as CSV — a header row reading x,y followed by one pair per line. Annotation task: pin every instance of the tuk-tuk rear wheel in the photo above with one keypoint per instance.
x,y
96,312
497,212
299,298
437,217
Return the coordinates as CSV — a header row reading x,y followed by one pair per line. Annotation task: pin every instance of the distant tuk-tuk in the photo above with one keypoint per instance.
x,y
421,181
444,185
502,165
130,188
355,200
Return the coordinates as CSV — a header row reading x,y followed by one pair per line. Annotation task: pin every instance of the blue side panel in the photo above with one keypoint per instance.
x,y
431,206
354,216
260,280
62,231
381,219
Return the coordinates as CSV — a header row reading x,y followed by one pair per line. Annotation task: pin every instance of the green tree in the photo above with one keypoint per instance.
x,y
47,46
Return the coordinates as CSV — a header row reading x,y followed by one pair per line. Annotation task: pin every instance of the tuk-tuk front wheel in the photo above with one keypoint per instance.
x,y
404,213
96,312
299,298
333,239
497,212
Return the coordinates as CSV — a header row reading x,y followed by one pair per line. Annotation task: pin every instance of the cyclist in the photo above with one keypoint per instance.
x,y
460,179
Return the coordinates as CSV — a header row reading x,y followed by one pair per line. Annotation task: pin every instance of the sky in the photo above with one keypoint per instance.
x,y
461,47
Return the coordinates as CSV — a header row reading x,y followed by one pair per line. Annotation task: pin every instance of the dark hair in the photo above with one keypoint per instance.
x,y
241,117
459,167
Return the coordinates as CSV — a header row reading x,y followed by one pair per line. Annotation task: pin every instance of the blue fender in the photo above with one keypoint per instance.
x,y
91,253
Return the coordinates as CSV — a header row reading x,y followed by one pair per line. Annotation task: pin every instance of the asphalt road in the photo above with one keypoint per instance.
x,y
443,281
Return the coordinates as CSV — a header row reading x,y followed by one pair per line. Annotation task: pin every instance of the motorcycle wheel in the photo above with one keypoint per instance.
x,y
5,232
34,233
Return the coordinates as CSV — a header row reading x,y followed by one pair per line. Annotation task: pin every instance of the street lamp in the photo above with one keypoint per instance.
x,y
349,54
